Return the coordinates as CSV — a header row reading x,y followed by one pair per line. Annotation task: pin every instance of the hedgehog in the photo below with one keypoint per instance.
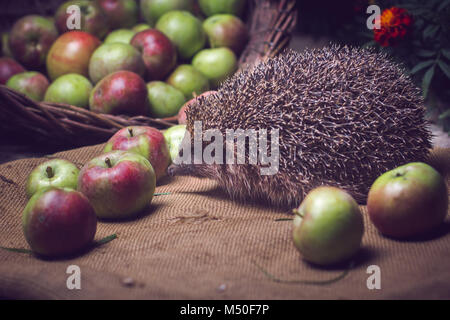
x,y
344,116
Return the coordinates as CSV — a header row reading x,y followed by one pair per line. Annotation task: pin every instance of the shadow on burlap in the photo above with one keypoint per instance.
x,y
196,244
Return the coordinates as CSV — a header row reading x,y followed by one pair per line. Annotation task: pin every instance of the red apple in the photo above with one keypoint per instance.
x,y
30,40
118,184
121,92
120,13
58,221
71,53
32,84
182,113
93,20
408,201
146,141
8,68
158,53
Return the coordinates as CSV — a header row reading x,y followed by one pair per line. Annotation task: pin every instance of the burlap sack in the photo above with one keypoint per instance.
x,y
197,244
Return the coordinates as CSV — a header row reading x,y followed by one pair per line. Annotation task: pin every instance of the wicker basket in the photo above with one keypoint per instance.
x,y
270,24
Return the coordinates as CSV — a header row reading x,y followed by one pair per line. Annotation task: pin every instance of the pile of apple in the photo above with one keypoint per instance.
x,y
65,202
115,64
408,202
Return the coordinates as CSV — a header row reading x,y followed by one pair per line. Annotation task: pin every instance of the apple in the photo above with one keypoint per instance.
x,y
30,40
165,100
181,117
8,68
174,136
188,80
158,53
58,173
120,35
6,51
328,226
72,88
93,20
152,10
121,92
146,141
120,13
32,84
58,222
182,113
118,184
184,30
226,30
71,53
112,57
141,27
216,64
408,201
212,7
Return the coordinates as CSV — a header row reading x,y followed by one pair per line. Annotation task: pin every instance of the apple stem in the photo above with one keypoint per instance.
x,y
108,162
49,171
297,213
130,131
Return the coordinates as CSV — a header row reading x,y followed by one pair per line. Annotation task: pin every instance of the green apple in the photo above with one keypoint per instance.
x,y
408,201
188,80
328,227
152,10
120,35
226,30
184,30
31,83
174,135
211,7
141,27
216,64
92,17
72,88
165,100
112,57
53,173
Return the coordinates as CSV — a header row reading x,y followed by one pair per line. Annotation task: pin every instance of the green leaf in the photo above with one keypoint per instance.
x,y
446,114
418,11
444,4
104,240
430,31
161,194
446,53
95,244
17,250
425,53
421,65
426,81
444,67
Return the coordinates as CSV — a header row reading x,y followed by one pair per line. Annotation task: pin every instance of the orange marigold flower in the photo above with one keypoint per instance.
x,y
395,25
